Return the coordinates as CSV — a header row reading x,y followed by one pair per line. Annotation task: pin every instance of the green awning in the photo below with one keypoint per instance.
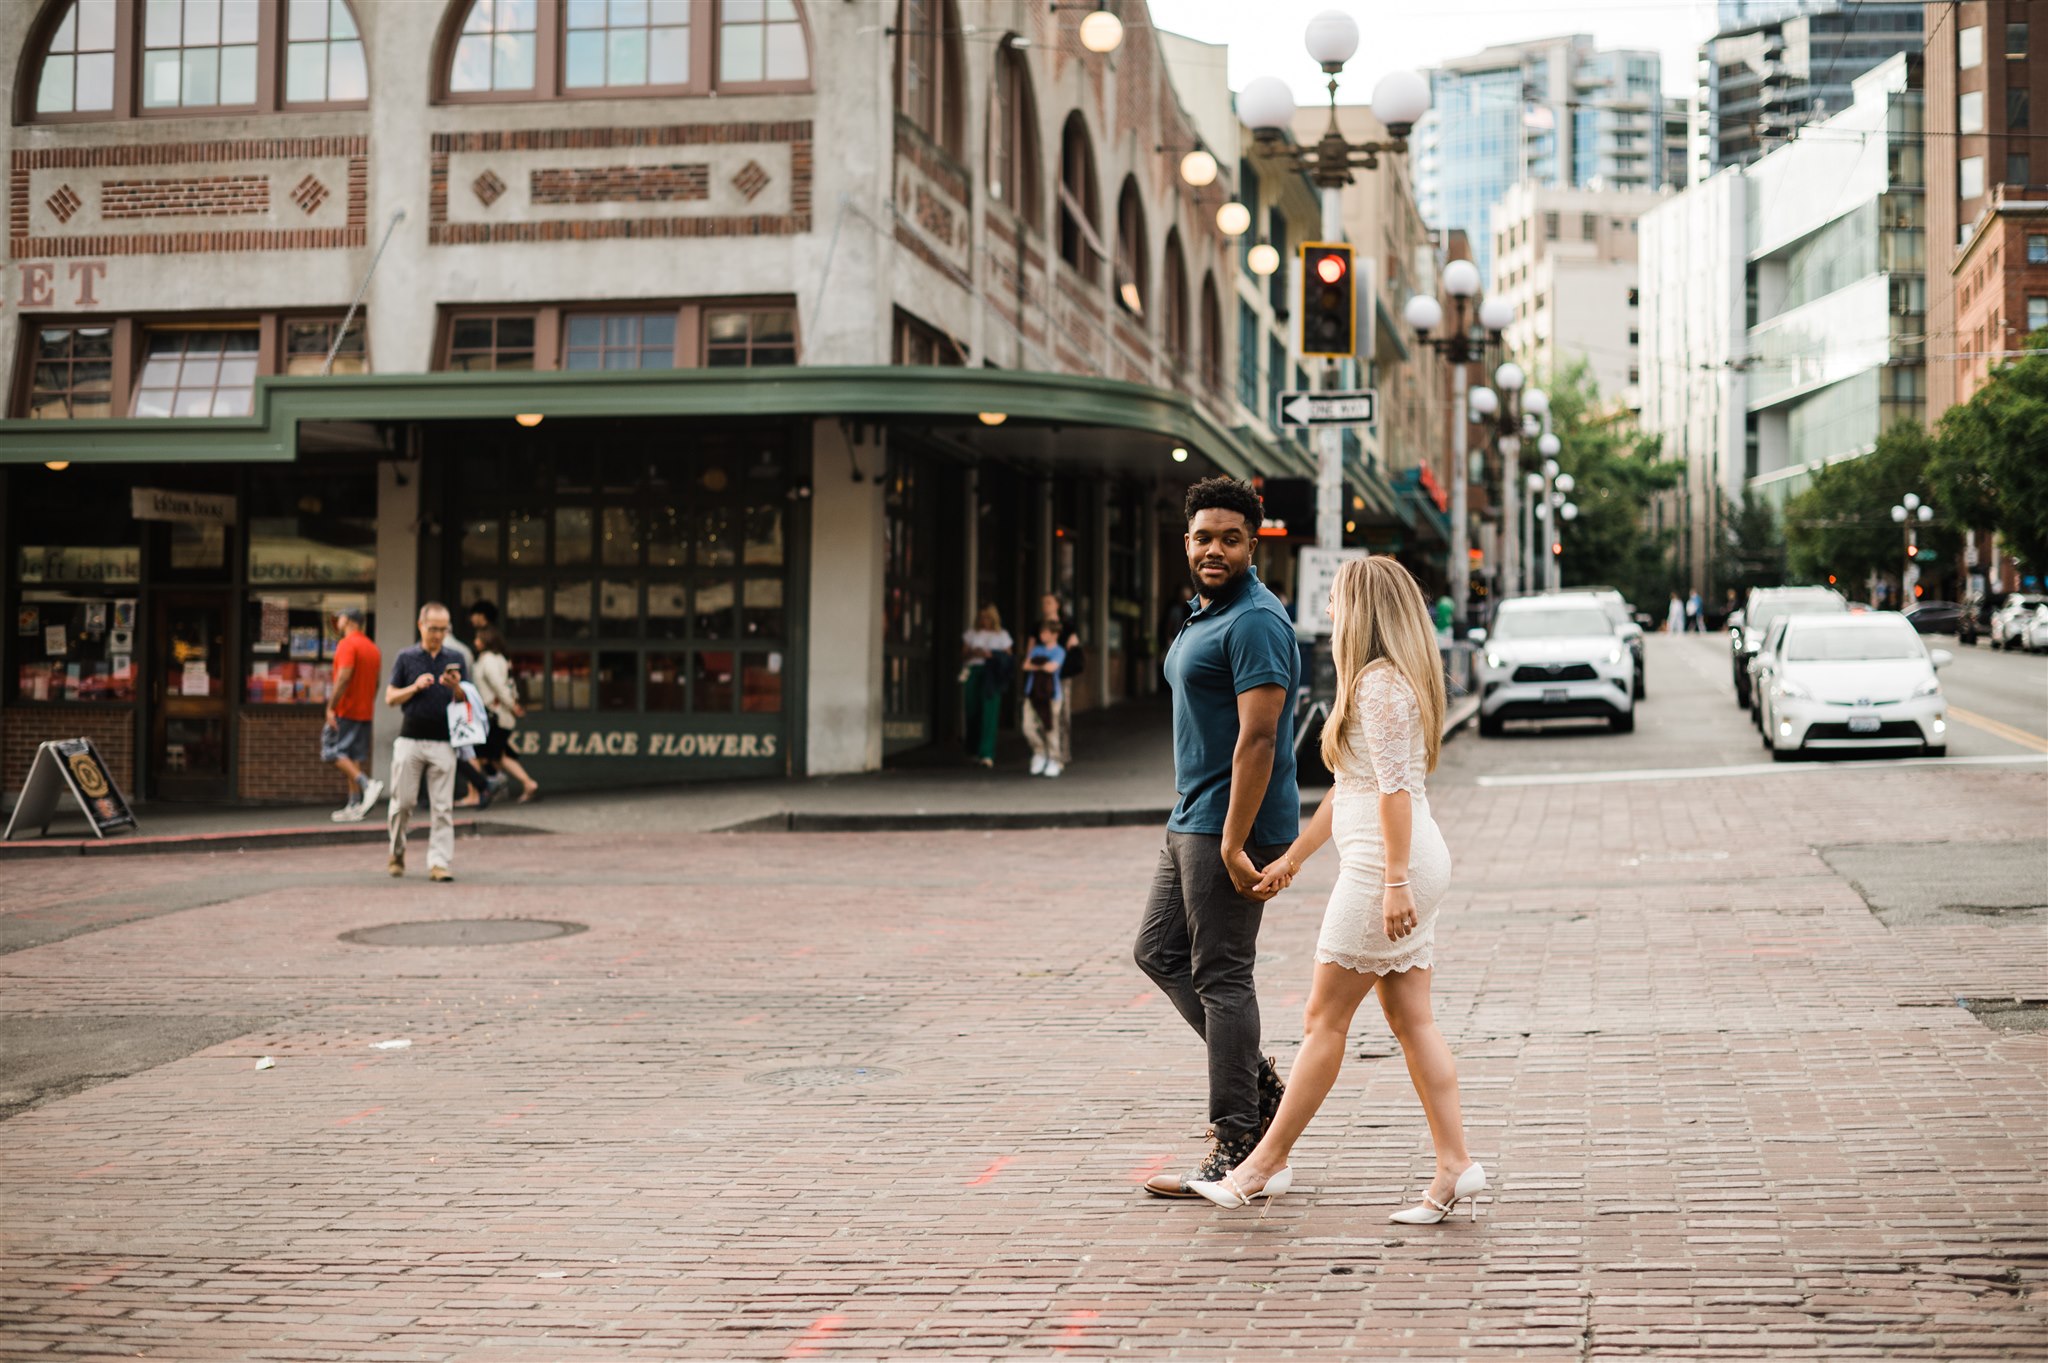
x,y
283,404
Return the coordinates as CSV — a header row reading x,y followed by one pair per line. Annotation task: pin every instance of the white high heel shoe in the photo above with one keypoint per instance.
x,y
1224,1192
1470,1183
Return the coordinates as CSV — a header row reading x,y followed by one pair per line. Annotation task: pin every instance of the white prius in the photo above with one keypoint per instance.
x,y
1846,683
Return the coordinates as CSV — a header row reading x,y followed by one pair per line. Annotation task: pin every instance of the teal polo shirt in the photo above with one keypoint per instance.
x,y
1227,647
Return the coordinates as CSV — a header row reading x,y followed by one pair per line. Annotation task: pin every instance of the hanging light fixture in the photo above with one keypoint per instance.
x,y
1102,32
1198,168
1233,219
992,418
1263,259
528,419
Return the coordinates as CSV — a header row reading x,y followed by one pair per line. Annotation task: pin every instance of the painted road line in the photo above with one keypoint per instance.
x,y
1998,729
1595,778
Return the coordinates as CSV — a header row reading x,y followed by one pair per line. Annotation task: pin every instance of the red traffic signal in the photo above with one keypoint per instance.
x,y
1329,301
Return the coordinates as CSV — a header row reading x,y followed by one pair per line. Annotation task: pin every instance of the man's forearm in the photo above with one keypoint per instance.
x,y
1251,767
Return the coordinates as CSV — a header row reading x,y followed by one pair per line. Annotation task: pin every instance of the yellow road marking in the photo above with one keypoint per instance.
x,y
2000,730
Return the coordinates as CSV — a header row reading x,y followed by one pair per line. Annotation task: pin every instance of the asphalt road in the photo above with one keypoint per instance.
x,y
1690,722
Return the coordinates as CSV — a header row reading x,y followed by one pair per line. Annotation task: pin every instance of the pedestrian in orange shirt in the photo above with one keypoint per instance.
x,y
345,739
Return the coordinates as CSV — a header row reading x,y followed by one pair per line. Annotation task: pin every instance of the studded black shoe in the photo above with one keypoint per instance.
x,y
1224,1155
1271,1091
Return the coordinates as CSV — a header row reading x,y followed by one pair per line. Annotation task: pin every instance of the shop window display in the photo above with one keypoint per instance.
x,y
292,638
76,646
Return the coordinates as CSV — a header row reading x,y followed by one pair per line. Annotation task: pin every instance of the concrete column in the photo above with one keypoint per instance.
x,y
397,602
1098,625
843,703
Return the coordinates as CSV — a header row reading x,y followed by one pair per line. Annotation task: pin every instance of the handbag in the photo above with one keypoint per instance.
x,y
469,723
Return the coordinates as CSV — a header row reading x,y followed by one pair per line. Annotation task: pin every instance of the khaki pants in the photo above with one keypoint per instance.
x,y
1047,740
412,758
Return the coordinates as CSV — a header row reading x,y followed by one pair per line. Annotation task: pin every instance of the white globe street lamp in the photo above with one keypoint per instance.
x,y
1549,465
1496,314
1198,168
1534,482
1550,445
1461,279
1912,501
1423,314
1233,219
1898,515
1926,513
1263,259
1331,39
1399,100
1266,104
1509,377
1570,511
1485,401
1565,482
1536,401
1102,32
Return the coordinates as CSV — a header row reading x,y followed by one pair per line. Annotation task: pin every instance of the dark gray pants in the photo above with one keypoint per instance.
x,y
1199,942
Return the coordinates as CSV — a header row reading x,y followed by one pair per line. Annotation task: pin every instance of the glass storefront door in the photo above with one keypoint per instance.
x,y
189,690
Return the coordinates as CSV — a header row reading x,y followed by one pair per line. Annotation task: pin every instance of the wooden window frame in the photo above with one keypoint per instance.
x,y
1086,260
130,343
221,326
672,312
1173,302
708,306
1013,138
938,114
272,19
550,61
1133,253
551,331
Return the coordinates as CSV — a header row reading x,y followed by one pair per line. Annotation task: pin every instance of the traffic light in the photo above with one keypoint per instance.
x,y
1329,301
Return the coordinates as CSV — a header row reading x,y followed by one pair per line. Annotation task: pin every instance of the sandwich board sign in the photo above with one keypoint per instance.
x,y
72,764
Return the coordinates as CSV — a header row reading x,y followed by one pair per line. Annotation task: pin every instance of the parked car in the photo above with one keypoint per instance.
x,y
2036,638
1854,682
1766,604
1763,666
1626,623
1935,617
1555,657
2009,621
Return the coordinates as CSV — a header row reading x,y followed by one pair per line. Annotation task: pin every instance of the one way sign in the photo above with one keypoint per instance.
x,y
1329,409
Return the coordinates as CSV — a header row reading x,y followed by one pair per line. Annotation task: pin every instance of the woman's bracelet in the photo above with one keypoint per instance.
x,y
1393,884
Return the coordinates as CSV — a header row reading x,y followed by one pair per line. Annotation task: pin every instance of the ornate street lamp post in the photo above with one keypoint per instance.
x,y
1911,513
1266,106
1460,348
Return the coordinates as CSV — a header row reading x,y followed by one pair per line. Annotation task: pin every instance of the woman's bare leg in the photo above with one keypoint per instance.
x,y
1333,997
1404,997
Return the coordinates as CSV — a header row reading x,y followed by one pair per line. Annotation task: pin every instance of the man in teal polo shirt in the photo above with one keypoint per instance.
x,y
1232,669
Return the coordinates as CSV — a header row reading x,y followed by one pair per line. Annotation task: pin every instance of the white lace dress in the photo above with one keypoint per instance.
x,y
1387,754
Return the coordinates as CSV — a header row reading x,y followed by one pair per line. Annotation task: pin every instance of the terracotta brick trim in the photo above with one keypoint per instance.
x,y
28,160
681,182
209,195
946,174
796,133
917,247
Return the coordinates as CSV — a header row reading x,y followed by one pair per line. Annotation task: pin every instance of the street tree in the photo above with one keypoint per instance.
x,y
1990,463
1752,549
1840,527
1616,474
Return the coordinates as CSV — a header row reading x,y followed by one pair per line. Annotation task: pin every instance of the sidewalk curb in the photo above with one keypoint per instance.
x,y
244,841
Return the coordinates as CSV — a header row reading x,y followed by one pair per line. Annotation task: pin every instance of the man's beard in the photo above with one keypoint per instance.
x,y
1222,588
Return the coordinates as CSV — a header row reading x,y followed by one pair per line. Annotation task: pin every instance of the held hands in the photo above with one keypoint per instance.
x,y
1398,910
1245,877
1279,874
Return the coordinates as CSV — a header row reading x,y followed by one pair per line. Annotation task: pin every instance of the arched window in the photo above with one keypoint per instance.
x,y
98,59
1212,336
1013,137
1080,206
1173,308
589,49
929,70
1133,260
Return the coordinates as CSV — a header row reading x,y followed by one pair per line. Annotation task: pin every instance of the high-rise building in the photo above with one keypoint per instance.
x,y
1761,81
1819,249
1677,142
1742,13
1553,112
1565,259
1987,239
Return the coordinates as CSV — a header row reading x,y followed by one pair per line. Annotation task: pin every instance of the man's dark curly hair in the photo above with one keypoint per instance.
x,y
1226,494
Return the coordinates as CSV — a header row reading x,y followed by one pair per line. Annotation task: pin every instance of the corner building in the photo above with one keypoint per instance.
x,y
736,351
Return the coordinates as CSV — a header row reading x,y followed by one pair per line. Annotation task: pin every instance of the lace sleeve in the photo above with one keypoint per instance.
x,y
1388,718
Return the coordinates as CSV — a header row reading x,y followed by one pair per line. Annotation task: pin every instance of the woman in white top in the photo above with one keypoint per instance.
x,y
493,677
985,652
1379,930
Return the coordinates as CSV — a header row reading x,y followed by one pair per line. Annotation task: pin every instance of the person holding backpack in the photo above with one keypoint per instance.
x,y
1049,608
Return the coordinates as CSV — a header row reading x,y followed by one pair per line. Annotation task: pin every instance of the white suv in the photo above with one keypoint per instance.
x,y
1555,657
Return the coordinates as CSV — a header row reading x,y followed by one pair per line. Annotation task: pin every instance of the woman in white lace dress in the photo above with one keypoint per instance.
x,y
1380,928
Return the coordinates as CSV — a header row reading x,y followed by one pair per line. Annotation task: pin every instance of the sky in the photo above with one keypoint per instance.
x,y
1265,35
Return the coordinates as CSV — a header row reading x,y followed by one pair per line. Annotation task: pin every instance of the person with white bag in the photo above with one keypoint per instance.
x,y
430,686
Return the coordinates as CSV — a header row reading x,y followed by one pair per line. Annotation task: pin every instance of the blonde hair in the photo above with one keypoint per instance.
x,y
1381,618
988,617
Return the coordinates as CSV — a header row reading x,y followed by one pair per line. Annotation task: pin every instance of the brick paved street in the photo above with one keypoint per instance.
x,y
1730,1112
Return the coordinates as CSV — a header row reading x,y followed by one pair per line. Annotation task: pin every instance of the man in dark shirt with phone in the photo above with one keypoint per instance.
x,y
425,680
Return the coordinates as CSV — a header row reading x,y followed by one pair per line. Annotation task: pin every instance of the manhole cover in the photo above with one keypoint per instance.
x,y
823,1076
461,932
